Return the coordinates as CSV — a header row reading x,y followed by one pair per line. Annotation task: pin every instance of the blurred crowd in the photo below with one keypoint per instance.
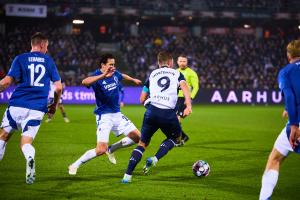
x,y
221,61
74,55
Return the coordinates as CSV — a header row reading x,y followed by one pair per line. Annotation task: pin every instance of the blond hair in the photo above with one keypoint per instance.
x,y
293,48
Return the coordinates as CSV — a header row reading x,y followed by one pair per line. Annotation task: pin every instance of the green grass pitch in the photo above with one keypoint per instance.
x,y
234,140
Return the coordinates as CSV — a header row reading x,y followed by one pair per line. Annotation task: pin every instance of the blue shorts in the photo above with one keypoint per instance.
x,y
164,119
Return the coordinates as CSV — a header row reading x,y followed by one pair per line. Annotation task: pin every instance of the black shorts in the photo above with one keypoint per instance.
x,y
180,106
163,119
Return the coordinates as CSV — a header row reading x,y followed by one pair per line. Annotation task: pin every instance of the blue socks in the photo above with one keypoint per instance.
x,y
135,158
165,147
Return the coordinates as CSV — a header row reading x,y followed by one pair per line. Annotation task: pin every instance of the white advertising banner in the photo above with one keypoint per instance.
x,y
26,10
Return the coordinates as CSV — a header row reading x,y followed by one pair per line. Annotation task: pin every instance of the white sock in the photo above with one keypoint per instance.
x,y
155,160
28,151
127,177
2,148
88,155
269,181
125,142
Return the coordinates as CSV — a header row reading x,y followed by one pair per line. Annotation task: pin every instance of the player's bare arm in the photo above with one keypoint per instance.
x,y
143,97
129,78
5,83
285,114
92,79
187,96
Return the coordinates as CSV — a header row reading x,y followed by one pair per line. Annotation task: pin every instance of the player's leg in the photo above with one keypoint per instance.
x,y
269,180
7,128
180,106
270,176
184,136
124,142
171,128
30,126
100,149
49,117
104,127
126,127
4,137
63,112
149,127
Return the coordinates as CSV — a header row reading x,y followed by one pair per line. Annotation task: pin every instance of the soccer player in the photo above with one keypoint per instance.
x,y
161,87
32,72
105,83
60,103
193,83
289,138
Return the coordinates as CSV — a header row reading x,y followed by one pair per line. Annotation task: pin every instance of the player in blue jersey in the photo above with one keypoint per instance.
x,y
105,83
162,88
32,72
289,138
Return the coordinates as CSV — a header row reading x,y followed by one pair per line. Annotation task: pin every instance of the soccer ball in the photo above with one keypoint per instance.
x,y
201,168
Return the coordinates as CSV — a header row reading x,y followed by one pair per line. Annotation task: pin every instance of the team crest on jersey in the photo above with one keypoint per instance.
x,y
116,79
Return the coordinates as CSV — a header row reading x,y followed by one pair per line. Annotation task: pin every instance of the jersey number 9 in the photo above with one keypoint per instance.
x,y
164,83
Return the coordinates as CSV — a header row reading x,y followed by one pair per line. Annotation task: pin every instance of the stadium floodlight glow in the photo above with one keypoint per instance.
x,y
247,26
299,27
78,21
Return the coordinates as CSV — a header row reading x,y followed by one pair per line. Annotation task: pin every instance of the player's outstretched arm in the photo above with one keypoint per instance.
x,y
187,95
129,78
92,79
6,82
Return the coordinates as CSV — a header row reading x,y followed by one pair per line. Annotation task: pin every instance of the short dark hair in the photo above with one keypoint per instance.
x,y
182,55
104,58
37,38
163,57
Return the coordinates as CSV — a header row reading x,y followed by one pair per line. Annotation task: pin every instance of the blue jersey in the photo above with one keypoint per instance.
x,y
289,83
107,93
121,89
33,72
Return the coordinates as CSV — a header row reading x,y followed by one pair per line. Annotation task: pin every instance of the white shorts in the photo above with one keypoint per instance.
x,y
115,122
16,118
282,143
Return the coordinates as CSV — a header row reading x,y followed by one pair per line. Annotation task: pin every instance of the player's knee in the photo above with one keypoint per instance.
x,y
275,159
101,150
135,136
4,135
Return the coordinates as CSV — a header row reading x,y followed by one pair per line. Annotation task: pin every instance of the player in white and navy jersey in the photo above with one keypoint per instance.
x,y
289,138
162,88
32,72
105,83
60,103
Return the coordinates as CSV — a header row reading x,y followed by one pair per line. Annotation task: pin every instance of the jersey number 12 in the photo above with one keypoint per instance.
x,y
40,70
